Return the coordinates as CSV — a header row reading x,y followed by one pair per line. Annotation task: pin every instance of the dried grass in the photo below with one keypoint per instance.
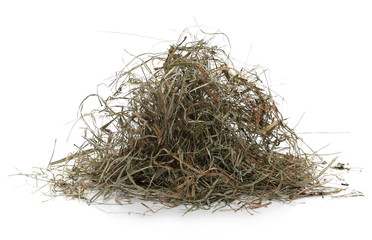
x,y
186,128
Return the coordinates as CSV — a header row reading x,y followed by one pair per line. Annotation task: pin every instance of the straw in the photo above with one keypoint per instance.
x,y
185,127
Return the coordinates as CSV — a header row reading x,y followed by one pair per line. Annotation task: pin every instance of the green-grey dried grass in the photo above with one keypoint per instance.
x,y
187,128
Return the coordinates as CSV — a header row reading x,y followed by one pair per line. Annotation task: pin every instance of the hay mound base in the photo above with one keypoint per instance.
x,y
187,128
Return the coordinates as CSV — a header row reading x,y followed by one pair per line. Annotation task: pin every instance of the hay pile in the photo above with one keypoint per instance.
x,y
187,128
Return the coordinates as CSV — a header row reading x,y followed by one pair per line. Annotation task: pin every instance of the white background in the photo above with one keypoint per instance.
x,y
54,53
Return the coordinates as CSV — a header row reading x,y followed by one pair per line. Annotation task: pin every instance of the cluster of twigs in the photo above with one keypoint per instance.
x,y
187,128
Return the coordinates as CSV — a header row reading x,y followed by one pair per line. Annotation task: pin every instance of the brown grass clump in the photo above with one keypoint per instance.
x,y
187,128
